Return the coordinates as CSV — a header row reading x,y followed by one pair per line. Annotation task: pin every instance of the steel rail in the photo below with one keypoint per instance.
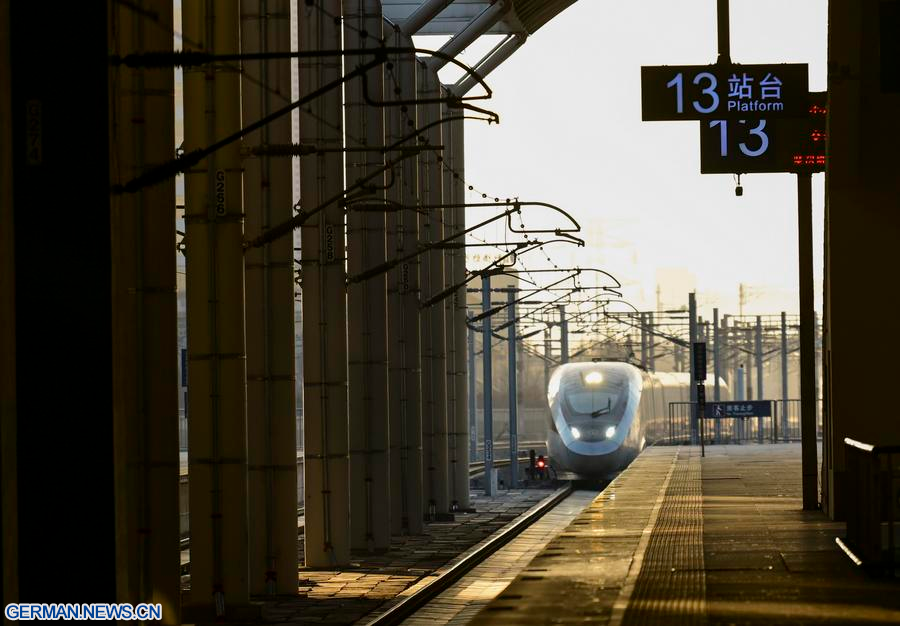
x,y
446,576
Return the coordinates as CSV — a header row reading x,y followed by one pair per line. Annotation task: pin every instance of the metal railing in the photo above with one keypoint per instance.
x,y
783,425
873,506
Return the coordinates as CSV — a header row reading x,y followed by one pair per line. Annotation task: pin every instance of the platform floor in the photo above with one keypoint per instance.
x,y
677,539
461,602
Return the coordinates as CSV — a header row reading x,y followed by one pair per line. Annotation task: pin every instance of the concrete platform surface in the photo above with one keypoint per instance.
x,y
677,539
461,602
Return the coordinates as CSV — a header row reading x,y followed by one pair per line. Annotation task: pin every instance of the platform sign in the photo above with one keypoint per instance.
x,y
739,408
714,92
766,145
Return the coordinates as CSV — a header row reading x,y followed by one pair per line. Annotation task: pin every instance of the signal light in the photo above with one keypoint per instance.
x,y
541,463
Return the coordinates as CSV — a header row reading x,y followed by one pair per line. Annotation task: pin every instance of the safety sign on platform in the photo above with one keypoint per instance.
x,y
741,408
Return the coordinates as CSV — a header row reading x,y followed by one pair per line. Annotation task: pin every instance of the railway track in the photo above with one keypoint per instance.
x,y
445,577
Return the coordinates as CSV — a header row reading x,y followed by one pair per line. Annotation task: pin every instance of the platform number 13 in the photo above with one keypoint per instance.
x,y
758,131
709,90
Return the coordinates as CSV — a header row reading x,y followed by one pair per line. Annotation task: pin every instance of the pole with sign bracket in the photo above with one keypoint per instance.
x,y
699,349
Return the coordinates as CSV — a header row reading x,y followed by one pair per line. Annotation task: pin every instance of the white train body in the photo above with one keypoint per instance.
x,y
602,414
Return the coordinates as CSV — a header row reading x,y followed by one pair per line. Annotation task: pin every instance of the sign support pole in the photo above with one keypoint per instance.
x,y
488,387
701,415
724,33
807,344
513,393
692,308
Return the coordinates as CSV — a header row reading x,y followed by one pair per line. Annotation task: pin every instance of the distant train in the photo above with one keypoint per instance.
x,y
602,414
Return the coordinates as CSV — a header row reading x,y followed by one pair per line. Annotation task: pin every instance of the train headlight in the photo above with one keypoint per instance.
x,y
593,378
576,433
610,432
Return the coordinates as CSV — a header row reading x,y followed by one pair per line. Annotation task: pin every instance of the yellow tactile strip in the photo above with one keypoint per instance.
x,y
670,588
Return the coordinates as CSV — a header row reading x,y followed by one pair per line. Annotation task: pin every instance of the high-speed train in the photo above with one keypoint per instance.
x,y
602,414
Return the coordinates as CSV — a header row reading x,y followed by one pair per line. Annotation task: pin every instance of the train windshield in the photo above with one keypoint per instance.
x,y
593,398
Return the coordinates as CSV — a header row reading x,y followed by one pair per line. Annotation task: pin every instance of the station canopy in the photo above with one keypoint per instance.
x,y
524,16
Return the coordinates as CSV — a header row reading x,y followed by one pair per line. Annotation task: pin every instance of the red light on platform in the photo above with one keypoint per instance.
x,y
541,463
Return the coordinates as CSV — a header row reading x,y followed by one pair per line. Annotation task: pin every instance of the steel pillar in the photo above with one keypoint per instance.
x,y
57,438
455,265
785,393
370,523
9,500
716,355
548,351
217,430
717,368
807,345
326,445
513,392
488,386
144,354
271,394
563,335
643,323
473,415
434,356
404,348
758,357
692,313
651,360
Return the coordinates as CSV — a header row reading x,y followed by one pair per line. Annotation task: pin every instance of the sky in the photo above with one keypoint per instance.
x,y
571,134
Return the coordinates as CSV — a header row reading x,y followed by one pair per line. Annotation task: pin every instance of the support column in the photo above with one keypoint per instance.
x,y
807,346
54,141
271,396
145,356
473,415
784,377
716,355
457,417
434,356
643,318
746,340
404,349
651,361
326,444
9,506
717,368
488,385
758,357
563,335
548,351
692,331
513,392
370,524
217,405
